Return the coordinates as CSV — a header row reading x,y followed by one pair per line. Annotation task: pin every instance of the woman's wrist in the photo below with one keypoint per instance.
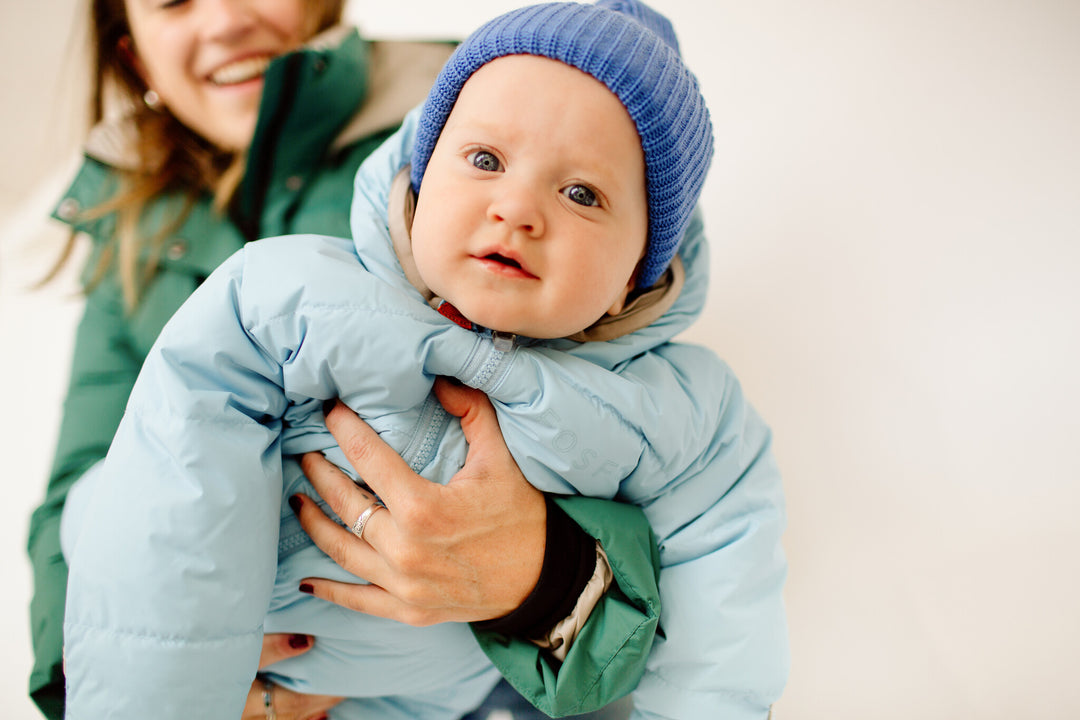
x,y
570,562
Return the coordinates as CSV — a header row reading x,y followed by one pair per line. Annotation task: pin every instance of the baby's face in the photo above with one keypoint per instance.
x,y
532,214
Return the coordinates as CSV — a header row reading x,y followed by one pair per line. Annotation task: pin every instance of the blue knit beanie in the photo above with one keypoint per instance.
x,y
632,50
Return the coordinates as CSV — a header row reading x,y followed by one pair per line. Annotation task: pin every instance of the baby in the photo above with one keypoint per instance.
x,y
532,250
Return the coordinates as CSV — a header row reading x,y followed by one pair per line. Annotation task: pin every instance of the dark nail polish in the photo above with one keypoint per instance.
x,y
298,641
295,503
328,405
307,588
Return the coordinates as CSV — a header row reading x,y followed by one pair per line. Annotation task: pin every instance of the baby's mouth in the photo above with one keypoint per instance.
x,y
503,260
507,266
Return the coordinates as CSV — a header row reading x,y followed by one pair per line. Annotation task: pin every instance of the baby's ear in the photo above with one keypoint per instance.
x,y
620,301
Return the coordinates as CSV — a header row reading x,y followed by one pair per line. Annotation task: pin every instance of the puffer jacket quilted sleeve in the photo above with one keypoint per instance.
x,y
172,569
152,600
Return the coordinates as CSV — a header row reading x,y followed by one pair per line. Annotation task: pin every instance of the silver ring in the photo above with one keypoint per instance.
x,y
268,700
362,521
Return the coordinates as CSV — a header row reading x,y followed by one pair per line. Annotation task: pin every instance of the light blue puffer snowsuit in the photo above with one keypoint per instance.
x,y
184,541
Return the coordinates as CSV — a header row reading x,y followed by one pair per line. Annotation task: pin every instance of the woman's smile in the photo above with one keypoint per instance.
x,y
206,60
241,71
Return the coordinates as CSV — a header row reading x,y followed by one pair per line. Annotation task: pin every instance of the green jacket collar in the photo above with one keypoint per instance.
x,y
309,96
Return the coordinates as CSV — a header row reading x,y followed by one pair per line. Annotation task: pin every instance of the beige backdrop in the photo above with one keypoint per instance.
x,y
894,216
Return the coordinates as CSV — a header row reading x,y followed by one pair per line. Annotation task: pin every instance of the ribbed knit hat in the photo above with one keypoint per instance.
x,y
632,50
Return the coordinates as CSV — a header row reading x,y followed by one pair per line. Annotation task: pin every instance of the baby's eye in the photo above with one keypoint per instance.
x,y
485,161
582,195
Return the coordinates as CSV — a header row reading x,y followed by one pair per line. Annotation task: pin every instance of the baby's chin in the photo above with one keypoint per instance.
x,y
539,333
538,330
514,317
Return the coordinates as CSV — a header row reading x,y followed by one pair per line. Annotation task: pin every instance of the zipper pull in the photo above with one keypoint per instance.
x,y
503,341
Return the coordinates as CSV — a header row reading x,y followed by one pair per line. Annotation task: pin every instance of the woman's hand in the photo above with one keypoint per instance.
x,y
470,550
287,704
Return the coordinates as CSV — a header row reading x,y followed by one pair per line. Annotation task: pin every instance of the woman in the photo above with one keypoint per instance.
x,y
219,122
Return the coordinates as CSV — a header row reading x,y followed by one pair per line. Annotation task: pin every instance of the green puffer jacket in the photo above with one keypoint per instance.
x,y
309,140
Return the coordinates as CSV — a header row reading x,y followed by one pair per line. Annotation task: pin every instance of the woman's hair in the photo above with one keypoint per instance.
x,y
169,155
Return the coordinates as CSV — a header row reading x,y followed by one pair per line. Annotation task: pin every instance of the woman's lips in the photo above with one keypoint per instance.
x,y
241,71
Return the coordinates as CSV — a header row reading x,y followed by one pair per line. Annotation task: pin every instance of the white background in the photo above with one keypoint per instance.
x,y
894,211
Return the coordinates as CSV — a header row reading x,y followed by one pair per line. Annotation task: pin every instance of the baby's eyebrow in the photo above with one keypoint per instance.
x,y
480,124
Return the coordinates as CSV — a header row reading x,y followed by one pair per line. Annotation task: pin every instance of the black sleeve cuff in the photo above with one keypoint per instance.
x,y
569,562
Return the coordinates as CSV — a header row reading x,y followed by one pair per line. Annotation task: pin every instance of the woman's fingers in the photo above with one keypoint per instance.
x,y
376,462
287,704
478,419
489,477
278,646
469,550
374,600
487,449
345,497
355,555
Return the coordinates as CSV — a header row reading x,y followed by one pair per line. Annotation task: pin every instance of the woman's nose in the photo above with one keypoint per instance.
x,y
227,19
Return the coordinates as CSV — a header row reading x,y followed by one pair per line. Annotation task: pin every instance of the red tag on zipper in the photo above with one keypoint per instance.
x,y
452,313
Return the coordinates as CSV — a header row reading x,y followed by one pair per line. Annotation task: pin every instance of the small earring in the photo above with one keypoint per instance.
x,y
152,99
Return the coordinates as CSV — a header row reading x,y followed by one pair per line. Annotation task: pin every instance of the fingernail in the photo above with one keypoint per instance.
x,y
295,503
328,406
307,588
298,641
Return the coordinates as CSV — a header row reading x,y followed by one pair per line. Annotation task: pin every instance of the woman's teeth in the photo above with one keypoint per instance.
x,y
240,71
